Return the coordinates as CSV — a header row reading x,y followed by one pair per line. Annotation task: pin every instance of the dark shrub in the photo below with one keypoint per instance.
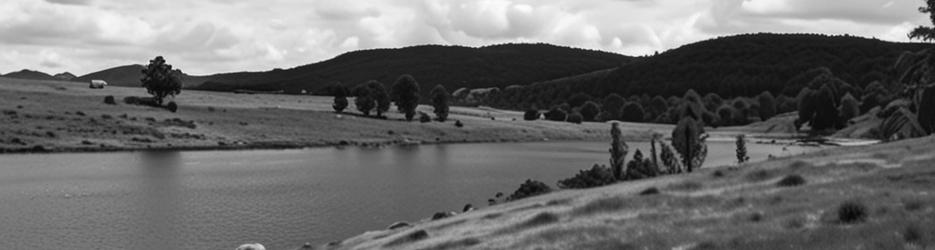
x,y
595,177
650,191
556,114
575,118
791,180
852,212
172,107
531,115
927,110
424,117
589,111
632,112
459,124
340,98
529,188
110,100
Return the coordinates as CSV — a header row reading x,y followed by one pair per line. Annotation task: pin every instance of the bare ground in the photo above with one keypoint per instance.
x,y
786,203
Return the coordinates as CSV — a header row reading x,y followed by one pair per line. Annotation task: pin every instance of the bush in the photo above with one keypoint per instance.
x,y
688,139
849,109
927,110
589,111
529,188
650,191
791,181
852,212
633,112
172,107
459,124
640,168
531,115
110,100
340,98
595,177
556,114
575,118
424,117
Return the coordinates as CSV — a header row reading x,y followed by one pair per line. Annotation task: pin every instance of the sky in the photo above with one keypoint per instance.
x,y
216,36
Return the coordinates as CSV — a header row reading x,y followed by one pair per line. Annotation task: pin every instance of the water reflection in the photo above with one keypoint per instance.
x,y
159,200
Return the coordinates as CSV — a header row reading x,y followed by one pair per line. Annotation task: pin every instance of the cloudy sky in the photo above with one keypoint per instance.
x,y
212,36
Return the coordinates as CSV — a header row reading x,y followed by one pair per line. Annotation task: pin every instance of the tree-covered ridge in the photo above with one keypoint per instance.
x,y
453,66
742,65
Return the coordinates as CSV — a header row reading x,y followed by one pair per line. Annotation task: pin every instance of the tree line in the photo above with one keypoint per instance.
x,y
373,97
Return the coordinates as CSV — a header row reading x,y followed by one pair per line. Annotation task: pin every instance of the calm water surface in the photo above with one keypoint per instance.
x,y
281,198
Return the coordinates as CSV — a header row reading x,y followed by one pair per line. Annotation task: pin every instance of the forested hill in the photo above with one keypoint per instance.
x,y
453,66
742,65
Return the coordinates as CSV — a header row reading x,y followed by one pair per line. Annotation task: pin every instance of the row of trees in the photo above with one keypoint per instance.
x,y
372,96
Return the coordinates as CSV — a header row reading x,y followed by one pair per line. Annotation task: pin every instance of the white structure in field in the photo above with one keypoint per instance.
x,y
98,84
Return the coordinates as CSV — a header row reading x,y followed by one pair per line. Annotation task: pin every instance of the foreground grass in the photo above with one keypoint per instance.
x,y
49,116
872,197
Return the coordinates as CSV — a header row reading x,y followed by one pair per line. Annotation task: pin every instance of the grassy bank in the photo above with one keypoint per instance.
x,y
49,116
868,197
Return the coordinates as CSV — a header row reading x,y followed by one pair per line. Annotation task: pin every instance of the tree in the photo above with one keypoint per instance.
x,y
826,112
923,32
640,168
927,110
589,111
160,80
556,114
742,149
669,160
575,118
340,98
767,105
379,96
849,109
595,177
688,138
364,99
578,99
531,115
612,105
406,95
440,99
632,112
712,101
618,151
806,107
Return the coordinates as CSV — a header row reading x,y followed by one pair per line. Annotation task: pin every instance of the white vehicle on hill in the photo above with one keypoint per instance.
x,y
97,84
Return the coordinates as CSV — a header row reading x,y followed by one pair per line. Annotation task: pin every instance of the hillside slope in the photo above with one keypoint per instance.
x,y
871,197
741,65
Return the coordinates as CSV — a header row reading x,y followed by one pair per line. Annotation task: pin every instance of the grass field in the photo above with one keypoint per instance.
x,y
50,116
869,197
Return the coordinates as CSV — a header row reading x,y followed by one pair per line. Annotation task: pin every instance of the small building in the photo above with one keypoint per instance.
x,y
97,84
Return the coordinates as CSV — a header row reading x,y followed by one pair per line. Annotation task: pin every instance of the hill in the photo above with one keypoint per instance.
x,y
453,66
65,76
30,75
742,65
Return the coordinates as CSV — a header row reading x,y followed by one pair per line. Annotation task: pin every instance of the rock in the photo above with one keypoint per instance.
x,y
251,246
307,245
400,224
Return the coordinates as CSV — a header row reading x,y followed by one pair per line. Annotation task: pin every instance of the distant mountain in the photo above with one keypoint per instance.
x,y
741,65
452,66
65,76
128,76
30,74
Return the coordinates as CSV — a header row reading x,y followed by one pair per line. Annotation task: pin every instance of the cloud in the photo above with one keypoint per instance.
x,y
205,37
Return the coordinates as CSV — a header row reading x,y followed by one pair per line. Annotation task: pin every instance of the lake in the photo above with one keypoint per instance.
x,y
280,198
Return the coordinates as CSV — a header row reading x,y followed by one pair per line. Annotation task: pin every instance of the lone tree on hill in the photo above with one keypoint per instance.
x,y
340,98
160,80
406,95
440,99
